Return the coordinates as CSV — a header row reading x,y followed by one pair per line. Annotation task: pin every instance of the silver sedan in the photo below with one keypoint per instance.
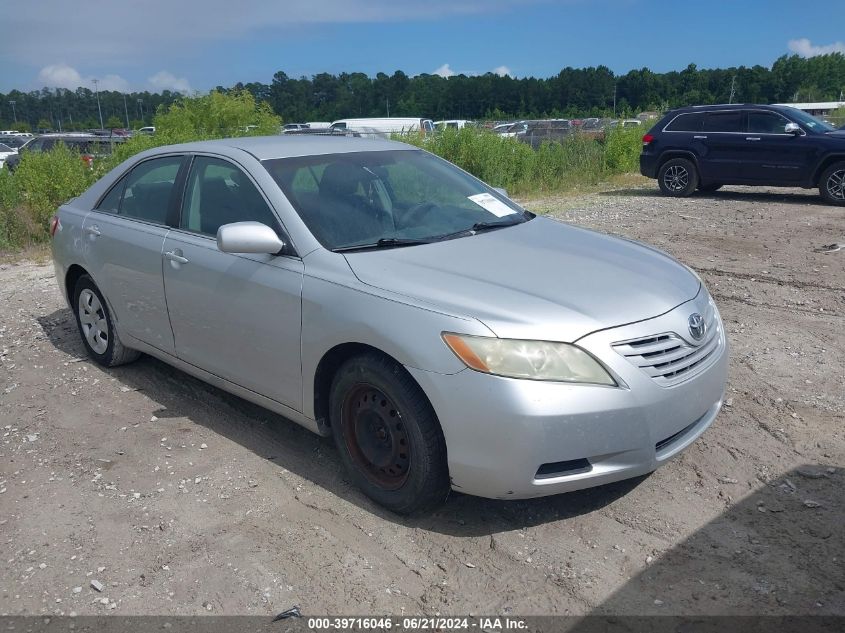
x,y
368,290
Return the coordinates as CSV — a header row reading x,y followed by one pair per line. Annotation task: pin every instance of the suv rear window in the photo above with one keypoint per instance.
x,y
691,122
730,121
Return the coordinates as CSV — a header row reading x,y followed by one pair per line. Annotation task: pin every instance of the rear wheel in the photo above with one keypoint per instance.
x,y
709,188
677,177
388,435
832,184
96,326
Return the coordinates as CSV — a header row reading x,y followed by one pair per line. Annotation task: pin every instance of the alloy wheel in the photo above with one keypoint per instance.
x,y
835,185
676,178
92,320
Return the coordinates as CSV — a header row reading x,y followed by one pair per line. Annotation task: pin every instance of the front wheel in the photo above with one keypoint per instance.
x,y
832,184
388,435
97,327
677,177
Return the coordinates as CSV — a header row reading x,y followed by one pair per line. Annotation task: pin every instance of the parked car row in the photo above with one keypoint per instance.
x,y
89,146
706,147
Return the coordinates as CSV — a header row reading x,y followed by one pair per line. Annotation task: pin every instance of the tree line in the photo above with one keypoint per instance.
x,y
594,91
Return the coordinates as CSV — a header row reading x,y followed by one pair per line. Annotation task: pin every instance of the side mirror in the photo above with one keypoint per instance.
x,y
248,237
501,191
792,128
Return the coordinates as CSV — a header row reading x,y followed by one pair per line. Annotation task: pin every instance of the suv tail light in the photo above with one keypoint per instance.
x,y
647,139
55,225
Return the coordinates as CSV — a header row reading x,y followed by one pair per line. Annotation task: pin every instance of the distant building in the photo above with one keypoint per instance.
x,y
816,109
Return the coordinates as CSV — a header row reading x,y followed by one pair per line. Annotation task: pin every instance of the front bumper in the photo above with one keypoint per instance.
x,y
500,431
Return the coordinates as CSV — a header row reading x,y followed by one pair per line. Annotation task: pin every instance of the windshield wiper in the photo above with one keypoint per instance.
x,y
478,227
385,242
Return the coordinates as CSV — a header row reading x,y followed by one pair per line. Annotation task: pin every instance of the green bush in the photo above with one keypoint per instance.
x,y
554,166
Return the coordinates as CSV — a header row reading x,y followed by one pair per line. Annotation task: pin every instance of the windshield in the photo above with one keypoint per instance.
x,y
808,120
359,198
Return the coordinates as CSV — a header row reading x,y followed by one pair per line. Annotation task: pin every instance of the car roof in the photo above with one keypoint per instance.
x,y
730,106
283,146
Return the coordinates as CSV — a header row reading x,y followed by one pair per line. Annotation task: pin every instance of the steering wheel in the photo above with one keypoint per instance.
x,y
416,212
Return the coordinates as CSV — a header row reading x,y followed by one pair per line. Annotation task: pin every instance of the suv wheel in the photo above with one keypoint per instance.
x,y
677,177
832,184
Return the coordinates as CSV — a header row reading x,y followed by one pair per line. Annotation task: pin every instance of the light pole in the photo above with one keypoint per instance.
x,y
97,93
14,114
125,110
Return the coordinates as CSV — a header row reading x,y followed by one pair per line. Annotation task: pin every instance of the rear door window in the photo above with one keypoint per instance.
x,y
729,121
148,188
691,122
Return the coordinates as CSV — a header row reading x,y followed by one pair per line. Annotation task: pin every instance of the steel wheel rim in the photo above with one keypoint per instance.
x,y
92,320
375,436
676,178
836,184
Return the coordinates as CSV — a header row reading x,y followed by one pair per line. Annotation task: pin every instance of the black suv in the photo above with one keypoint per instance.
x,y
705,147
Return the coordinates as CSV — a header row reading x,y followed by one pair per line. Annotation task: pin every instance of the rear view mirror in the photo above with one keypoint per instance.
x,y
501,191
248,237
792,128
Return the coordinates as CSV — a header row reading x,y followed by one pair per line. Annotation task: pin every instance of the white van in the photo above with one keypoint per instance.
x,y
384,127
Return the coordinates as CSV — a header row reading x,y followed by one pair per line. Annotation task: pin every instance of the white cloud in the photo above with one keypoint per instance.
x,y
60,76
502,71
164,80
806,48
64,76
444,71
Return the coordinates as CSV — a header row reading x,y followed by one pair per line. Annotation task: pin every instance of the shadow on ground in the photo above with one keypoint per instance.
x,y
273,437
769,197
777,553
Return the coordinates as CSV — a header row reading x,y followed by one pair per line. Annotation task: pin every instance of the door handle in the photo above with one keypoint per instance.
x,y
700,137
172,256
752,138
93,230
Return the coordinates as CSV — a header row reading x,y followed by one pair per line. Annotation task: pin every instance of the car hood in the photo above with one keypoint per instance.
x,y
542,279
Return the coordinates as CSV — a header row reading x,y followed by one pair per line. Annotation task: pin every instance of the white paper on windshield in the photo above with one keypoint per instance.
x,y
492,204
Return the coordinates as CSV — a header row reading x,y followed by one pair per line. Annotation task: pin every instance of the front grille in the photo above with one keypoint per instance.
x,y
668,358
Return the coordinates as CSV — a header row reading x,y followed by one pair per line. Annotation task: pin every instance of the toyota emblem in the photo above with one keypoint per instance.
x,y
697,326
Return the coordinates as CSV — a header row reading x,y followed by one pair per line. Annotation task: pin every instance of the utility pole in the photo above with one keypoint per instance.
x,y
140,111
126,110
733,90
614,99
14,114
97,93
387,99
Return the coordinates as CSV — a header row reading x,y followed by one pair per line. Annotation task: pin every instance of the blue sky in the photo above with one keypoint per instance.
x,y
192,45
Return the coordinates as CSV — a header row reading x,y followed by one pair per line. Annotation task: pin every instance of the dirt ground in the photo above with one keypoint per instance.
x,y
180,499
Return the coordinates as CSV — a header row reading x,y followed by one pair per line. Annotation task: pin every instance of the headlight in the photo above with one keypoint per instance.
x,y
534,360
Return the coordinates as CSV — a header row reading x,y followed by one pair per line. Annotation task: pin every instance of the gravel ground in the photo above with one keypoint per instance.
x,y
140,490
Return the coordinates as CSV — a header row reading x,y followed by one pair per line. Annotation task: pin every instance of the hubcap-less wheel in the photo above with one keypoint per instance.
x,y
676,178
836,185
375,437
92,318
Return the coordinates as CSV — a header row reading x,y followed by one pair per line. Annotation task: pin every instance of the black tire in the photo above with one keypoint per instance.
x,y
832,184
709,188
114,352
388,435
677,177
